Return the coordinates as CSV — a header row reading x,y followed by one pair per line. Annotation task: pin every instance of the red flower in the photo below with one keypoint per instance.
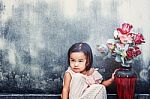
x,y
124,46
130,53
138,39
133,52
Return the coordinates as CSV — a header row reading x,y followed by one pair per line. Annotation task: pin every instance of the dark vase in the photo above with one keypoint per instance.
x,y
125,79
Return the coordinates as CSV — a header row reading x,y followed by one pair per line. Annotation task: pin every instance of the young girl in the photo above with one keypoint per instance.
x,y
81,81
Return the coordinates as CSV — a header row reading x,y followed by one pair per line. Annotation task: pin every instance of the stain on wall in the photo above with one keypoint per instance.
x,y
36,34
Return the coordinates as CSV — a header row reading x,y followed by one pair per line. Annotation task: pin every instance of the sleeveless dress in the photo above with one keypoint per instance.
x,y
86,87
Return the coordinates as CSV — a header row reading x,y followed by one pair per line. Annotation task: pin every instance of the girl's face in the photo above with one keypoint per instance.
x,y
77,62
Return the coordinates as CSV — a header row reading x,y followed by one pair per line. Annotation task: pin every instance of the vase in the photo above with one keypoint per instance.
x,y
125,79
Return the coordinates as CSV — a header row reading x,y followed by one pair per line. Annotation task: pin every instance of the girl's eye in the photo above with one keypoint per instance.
x,y
80,60
72,60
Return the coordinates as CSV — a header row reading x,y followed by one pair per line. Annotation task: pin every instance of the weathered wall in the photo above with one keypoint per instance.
x,y
36,34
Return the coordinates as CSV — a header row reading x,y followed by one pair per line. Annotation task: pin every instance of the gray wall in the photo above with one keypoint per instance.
x,y
36,34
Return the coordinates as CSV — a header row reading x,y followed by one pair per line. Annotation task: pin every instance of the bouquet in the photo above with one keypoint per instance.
x,y
124,46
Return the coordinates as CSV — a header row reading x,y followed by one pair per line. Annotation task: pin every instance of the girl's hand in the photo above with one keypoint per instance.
x,y
113,74
109,81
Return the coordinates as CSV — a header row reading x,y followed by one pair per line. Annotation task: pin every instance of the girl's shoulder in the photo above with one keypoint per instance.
x,y
92,71
95,73
70,71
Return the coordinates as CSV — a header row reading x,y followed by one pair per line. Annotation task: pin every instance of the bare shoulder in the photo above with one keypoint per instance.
x,y
67,78
67,75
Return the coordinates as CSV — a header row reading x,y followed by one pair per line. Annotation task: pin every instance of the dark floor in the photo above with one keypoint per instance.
x,y
57,96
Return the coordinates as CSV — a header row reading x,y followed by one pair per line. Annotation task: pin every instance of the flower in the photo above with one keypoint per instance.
x,y
139,39
126,28
124,47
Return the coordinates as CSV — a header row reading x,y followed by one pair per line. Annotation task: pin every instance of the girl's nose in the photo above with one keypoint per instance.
x,y
76,63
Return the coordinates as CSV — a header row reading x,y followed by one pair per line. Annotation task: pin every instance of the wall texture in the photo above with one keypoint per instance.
x,y
36,34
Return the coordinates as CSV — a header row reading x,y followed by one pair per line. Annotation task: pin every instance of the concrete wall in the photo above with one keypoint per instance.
x,y
36,34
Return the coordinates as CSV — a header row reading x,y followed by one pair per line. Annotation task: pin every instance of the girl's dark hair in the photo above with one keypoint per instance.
x,y
86,49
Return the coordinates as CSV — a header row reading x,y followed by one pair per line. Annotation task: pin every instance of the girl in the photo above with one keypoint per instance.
x,y
81,81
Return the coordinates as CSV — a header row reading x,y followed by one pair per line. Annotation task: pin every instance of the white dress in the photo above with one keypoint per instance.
x,y
86,87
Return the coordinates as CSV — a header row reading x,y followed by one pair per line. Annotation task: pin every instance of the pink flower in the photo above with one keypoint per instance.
x,y
126,38
126,28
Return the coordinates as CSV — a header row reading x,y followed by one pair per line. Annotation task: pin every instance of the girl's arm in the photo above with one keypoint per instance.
x,y
109,81
65,91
